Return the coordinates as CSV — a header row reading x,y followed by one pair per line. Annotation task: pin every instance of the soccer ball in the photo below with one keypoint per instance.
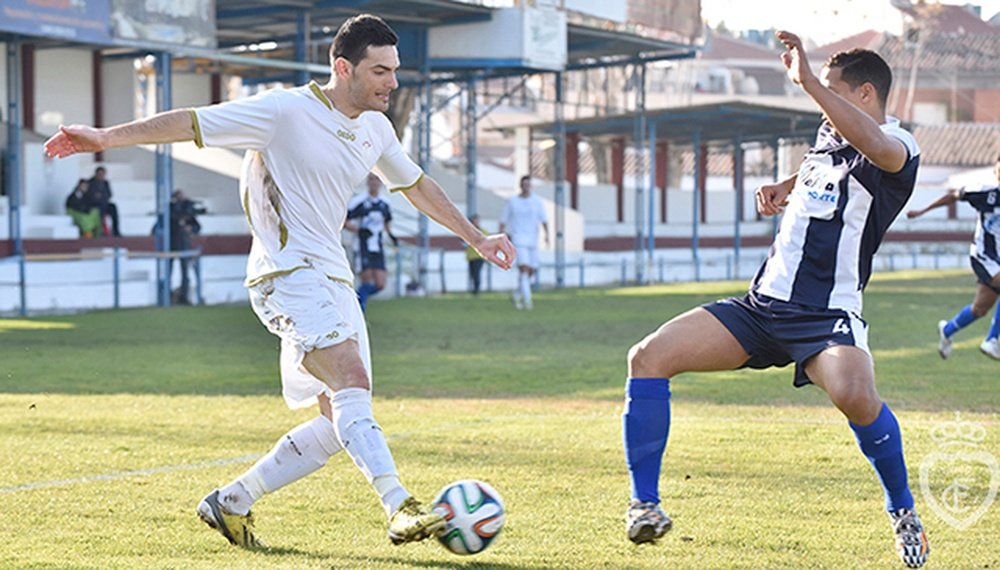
x,y
473,513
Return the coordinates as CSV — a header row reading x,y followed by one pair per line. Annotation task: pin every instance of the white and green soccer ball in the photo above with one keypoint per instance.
x,y
474,514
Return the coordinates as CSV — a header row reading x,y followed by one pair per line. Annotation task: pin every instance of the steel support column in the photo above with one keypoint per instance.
x,y
651,202
639,148
699,149
470,125
738,177
662,176
164,181
302,39
560,183
12,166
424,151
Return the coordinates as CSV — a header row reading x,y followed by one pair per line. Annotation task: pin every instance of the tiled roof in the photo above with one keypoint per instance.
x,y
869,39
940,51
948,18
719,47
959,144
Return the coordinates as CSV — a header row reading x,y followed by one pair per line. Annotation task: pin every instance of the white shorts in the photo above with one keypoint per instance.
x,y
527,255
308,311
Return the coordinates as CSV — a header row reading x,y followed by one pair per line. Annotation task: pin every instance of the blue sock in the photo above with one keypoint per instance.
x,y
960,321
882,444
366,290
646,424
995,327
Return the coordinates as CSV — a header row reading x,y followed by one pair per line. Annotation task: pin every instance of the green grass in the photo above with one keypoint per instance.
x,y
114,424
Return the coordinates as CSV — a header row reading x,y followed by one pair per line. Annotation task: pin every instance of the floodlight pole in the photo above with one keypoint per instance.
x,y
164,183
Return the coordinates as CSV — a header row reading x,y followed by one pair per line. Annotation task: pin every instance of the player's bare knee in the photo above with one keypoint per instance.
x,y
980,309
643,363
857,399
356,376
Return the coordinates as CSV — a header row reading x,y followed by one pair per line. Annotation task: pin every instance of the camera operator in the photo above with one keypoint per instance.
x,y
183,227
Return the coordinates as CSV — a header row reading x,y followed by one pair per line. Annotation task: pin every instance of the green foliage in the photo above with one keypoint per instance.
x,y
114,424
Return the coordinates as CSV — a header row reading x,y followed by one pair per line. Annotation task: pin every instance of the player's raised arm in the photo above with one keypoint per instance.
x,y
856,120
428,197
162,128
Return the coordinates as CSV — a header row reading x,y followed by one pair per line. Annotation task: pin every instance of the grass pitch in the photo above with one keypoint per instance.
x,y
114,424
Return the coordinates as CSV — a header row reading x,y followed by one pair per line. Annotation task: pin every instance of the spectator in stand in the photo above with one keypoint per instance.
x,y
99,193
85,215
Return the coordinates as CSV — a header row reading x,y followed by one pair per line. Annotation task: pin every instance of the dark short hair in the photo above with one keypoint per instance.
x,y
523,178
357,33
100,169
859,66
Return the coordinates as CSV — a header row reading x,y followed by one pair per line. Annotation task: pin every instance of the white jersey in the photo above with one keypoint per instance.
x,y
521,218
304,160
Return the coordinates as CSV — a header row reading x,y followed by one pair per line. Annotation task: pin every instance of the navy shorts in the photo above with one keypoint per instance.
x,y
372,260
777,333
986,269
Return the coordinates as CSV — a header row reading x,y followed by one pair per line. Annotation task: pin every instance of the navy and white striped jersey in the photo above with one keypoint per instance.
x,y
986,201
836,217
372,213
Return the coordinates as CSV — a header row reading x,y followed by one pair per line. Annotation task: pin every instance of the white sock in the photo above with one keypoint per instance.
x,y
364,441
301,451
526,288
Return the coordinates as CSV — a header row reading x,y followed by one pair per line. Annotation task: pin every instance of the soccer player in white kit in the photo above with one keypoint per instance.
x,y
307,149
520,220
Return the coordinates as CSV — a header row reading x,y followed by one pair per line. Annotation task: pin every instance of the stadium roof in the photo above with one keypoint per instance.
x,y
245,22
723,121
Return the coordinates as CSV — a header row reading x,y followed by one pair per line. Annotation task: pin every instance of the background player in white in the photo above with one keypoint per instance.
x,y
308,148
520,220
984,256
805,303
370,216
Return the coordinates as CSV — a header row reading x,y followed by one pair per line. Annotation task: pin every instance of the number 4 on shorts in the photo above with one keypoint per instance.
x,y
841,327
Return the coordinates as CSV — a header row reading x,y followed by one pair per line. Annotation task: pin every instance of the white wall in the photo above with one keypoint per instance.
x,y
118,85
191,90
63,92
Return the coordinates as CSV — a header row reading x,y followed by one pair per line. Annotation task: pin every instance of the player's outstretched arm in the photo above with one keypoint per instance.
x,y
162,128
428,197
856,126
949,197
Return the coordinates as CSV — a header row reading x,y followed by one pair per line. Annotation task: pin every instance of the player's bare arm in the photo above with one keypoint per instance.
x,y
949,198
162,128
772,198
857,126
428,197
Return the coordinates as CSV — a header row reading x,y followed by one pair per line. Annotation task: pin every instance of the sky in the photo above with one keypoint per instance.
x,y
822,21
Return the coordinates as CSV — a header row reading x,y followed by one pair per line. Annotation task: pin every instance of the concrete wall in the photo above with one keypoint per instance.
x,y
63,92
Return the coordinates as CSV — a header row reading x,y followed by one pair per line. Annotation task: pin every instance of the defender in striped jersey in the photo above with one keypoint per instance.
x,y
984,258
804,305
